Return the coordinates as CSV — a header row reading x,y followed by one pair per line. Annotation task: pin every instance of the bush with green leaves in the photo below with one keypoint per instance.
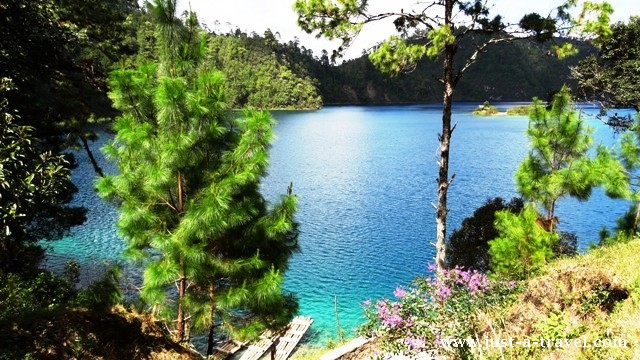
x,y
35,188
523,246
468,246
435,312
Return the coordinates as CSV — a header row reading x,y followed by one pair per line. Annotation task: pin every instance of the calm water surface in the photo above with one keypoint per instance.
x,y
365,177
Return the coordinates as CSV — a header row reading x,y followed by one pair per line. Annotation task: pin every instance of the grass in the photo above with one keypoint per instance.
x,y
309,352
592,297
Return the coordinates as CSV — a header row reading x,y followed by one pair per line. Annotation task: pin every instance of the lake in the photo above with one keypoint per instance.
x,y
366,179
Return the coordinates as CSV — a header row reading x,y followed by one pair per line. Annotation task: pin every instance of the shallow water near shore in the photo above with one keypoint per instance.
x,y
365,177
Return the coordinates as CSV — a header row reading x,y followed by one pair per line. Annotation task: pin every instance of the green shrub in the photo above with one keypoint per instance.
x,y
522,246
468,246
42,292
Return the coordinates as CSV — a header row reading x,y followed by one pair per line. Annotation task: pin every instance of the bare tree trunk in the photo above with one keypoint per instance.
x,y
96,167
635,222
212,308
445,142
182,288
274,346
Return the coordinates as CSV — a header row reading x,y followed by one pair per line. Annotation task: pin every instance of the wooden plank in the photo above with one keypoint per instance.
x,y
255,352
229,348
288,342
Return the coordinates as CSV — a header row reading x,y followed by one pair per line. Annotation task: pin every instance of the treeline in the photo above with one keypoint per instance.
x,y
515,71
262,73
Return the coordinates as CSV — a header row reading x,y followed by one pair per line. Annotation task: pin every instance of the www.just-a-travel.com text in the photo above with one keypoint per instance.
x,y
542,342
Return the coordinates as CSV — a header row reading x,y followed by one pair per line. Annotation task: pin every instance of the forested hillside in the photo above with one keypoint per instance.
x,y
261,73
507,71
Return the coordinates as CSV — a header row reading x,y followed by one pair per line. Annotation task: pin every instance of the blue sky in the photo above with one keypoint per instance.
x,y
278,15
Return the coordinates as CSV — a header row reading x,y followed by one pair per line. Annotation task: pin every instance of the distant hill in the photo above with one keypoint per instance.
x,y
509,71
261,72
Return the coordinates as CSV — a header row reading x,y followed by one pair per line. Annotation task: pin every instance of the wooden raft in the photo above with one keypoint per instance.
x,y
286,344
229,348
295,331
255,351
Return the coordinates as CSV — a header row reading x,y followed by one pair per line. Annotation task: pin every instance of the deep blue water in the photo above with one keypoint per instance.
x,y
365,177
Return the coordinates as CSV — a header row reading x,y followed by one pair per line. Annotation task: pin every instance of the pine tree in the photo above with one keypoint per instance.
x,y
188,191
629,153
522,246
558,163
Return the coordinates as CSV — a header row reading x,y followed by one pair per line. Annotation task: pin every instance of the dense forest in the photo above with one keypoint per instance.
x,y
515,71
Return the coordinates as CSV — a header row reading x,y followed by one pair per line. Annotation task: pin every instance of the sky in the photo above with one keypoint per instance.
x,y
278,15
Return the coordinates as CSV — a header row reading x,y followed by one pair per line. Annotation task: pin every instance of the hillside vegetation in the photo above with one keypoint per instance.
x,y
508,71
593,297
260,74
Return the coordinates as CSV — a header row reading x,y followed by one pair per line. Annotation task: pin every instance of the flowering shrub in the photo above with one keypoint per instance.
x,y
433,312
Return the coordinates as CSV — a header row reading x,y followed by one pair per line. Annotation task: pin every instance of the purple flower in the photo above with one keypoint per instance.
x,y
392,320
443,292
399,292
414,343
367,303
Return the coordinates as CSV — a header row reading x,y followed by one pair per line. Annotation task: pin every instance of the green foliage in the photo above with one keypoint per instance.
x,y
394,55
626,227
567,244
24,295
543,28
188,190
35,187
468,246
559,164
523,246
629,154
58,53
330,19
556,326
613,76
102,294
531,73
595,19
262,73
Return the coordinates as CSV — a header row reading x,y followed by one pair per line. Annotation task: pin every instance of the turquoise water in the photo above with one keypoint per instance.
x,y
365,177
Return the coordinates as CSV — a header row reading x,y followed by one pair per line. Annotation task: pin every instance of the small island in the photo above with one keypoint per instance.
x,y
486,109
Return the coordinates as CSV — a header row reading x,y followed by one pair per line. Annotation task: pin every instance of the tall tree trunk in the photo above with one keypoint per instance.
x,y
445,142
96,167
182,288
274,347
212,309
635,222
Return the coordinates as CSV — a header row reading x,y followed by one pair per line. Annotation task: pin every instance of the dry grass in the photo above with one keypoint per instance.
x,y
589,297
309,352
